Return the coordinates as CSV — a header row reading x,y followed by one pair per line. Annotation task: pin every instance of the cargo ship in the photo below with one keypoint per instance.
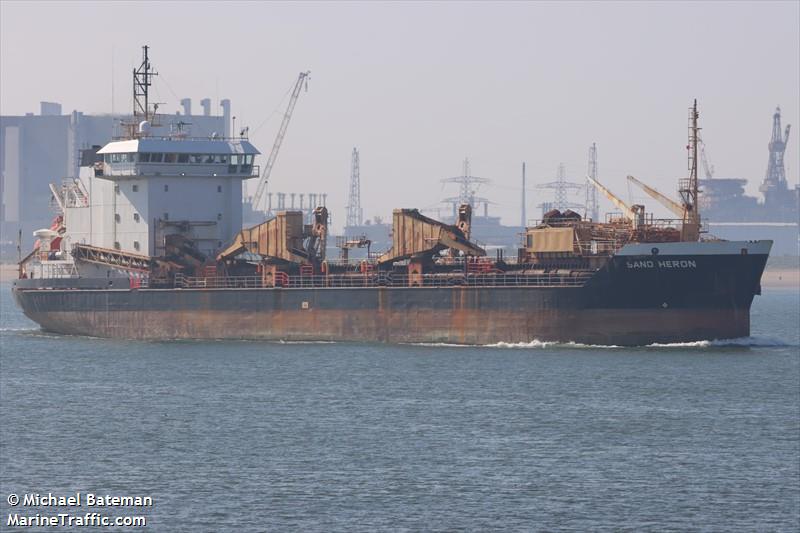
x,y
147,244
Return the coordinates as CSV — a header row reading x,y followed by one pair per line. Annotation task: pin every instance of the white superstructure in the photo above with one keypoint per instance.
x,y
148,188
145,198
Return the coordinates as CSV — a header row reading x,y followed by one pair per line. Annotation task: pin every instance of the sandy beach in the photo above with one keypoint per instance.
x,y
781,278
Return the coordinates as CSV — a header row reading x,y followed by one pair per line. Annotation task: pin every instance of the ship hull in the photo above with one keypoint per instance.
x,y
635,299
590,326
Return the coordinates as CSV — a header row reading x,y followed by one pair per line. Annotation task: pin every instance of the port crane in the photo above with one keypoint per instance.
x,y
709,169
302,80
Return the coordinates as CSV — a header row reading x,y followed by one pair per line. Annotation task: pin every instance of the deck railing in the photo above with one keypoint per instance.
x,y
371,279
378,279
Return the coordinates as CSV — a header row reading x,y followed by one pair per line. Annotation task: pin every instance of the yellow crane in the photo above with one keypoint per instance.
x,y
676,208
634,213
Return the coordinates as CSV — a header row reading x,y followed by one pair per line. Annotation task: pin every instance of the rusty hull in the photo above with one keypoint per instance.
x,y
630,300
452,315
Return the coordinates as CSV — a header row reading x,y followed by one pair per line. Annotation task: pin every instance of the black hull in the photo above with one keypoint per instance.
x,y
632,300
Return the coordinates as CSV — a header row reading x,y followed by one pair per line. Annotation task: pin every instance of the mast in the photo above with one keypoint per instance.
x,y
688,188
693,174
142,80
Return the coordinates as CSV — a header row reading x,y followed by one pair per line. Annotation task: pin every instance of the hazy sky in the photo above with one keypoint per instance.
x,y
417,86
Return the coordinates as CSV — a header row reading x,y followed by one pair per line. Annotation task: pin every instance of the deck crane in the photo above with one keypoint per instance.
x,y
676,208
633,213
302,80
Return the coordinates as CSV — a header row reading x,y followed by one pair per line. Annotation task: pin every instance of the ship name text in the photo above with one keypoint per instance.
x,y
683,263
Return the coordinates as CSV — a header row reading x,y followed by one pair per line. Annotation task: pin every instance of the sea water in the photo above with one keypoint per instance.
x,y
257,436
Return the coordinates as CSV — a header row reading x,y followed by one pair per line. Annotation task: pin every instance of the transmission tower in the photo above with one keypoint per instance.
x,y
774,186
592,206
355,215
468,187
561,186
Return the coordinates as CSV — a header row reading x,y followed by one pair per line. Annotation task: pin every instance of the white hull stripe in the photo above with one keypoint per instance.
x,y
698,248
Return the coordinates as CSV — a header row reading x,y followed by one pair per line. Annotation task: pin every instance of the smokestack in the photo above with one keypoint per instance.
x,y
187,106
205,103
49,109
226,115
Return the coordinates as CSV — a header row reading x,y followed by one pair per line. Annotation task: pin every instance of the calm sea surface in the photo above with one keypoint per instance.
x,y
252,436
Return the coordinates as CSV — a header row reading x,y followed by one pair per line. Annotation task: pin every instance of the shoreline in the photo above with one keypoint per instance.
x,y
773,278
781,278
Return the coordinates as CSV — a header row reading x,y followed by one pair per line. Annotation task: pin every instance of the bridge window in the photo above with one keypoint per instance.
x,y
136,217
135,188
219,188
148,157
116,245
117,218
136,245
123,158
